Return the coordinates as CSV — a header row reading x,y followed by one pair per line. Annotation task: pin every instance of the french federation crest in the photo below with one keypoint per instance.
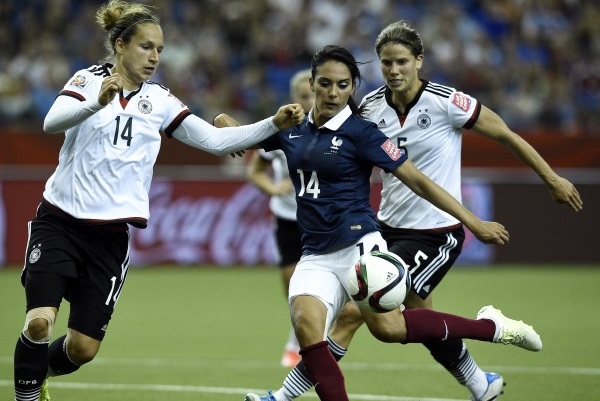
x,y
35,254
144,106
336,143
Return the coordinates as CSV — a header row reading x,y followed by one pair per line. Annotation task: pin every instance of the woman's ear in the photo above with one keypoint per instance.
x,y
119,46
419,63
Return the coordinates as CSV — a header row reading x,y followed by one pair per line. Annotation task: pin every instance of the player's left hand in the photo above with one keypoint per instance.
x,y
490,232
564,192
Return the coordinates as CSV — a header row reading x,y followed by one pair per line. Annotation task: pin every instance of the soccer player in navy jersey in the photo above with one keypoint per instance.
x,y
330,158
426,120
268,171
78,245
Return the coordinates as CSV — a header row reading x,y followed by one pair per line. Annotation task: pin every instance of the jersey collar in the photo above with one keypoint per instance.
x,y
409,106
336,122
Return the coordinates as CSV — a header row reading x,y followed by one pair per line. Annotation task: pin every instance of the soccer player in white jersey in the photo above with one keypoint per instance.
x,y
330,158
78,246
425,120
276,183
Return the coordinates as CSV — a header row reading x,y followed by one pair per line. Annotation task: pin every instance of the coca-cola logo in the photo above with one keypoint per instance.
x,y
233,228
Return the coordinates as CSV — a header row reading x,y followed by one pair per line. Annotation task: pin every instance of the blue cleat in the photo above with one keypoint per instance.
x,y
494,389
254,397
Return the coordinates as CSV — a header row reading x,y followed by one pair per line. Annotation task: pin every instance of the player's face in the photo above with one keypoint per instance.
x,y
140,57
400,68
303,95
333,86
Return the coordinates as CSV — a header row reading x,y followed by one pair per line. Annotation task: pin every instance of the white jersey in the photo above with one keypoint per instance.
x,y
283,206
106,162
430,132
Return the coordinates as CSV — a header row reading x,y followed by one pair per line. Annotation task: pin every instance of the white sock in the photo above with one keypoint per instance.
x,y
477,383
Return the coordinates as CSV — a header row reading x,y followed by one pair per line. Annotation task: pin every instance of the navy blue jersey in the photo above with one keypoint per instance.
x,y
330,167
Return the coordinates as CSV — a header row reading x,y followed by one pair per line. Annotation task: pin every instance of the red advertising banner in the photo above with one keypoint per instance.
x,y
199,223
223,223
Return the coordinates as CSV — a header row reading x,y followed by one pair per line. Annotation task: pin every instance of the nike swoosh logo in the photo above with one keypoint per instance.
x,y
294,136
446,336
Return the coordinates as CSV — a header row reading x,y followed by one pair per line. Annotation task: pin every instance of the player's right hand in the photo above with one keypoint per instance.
x,y
563,191
490,232
109,89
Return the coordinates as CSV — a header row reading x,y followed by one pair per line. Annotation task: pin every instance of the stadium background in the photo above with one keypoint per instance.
x,y
536,63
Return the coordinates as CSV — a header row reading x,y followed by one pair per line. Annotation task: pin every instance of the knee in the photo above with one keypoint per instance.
x,y
308,318
39,329
39,323
305,327
82,350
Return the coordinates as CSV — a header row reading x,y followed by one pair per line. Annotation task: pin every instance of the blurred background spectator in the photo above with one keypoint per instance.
x,y
536,62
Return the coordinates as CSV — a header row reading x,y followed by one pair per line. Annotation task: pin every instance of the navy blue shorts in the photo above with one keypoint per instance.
x,y
83,264
430,255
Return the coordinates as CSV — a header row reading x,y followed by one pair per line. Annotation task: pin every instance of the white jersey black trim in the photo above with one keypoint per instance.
x,y
124,139
429,128
100,70
377,95
439,90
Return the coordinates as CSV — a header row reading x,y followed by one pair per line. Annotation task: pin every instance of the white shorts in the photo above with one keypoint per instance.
x,y
326,276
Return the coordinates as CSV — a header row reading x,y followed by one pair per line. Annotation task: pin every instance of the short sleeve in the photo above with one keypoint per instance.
x,y
463,110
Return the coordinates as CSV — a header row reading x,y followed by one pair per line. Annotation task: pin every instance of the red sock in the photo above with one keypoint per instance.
x,y
324,372
424,325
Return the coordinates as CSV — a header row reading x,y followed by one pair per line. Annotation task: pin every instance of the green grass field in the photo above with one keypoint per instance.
x,y
213,334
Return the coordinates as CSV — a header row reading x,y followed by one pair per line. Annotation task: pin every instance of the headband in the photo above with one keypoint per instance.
x,y
135,23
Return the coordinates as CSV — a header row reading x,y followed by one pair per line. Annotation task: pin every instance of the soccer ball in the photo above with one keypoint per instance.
x,y
380,280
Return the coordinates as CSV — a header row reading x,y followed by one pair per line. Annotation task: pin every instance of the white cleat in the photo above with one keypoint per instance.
x,y
509,331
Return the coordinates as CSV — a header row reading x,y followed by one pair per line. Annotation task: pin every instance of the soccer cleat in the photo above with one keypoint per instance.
x,y
254,397
494,389
509,331
44,393
290,359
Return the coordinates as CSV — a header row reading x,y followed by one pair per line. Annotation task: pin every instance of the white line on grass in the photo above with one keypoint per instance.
x,y
209,390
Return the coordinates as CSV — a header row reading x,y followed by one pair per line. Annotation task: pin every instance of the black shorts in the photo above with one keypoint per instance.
x,y
84,264
429,254
287,235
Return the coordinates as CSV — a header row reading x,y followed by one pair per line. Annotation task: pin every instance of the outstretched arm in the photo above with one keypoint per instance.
x,y
198,133
488,232
562,190
224,120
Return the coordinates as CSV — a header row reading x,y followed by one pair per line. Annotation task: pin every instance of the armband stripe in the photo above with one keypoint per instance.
x,y
176,122
469,124
75,95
